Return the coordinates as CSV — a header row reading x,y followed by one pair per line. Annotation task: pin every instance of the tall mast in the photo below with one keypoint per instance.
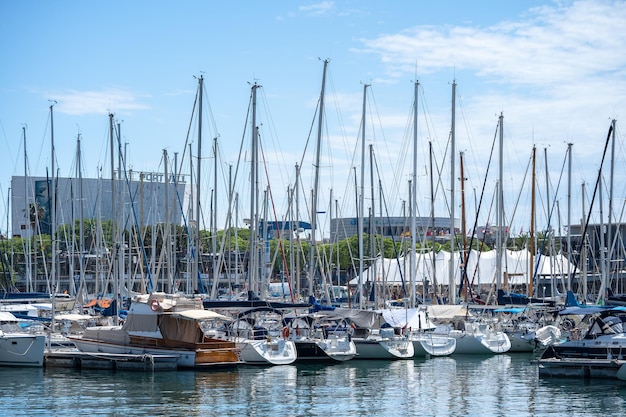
x,y
603,278
53,219
372,228
27,213
500,210
583,246
413,202
81,232
362,200
253,261
531,233
549,233
197,282
464,256
320,126
451,282
432,220
610,219
216,260
166,234
297,204
569,216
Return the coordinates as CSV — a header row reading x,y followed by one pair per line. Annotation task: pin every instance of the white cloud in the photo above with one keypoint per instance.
x,y
318,8
555,44
97,102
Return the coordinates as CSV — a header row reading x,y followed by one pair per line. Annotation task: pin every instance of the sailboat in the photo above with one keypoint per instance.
x,y
261,337
18,348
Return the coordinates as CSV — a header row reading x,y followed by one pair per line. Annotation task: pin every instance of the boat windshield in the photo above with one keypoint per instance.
x,y
606,326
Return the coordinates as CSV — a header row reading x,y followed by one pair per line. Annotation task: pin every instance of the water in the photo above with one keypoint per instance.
x,y
503,385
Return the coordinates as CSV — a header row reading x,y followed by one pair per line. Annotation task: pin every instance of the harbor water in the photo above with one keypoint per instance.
x,y
501,385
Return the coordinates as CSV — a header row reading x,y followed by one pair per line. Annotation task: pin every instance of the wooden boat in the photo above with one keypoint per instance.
x,y
160,324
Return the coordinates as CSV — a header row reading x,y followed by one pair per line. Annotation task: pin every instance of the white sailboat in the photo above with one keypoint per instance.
x,y
18,348
260,335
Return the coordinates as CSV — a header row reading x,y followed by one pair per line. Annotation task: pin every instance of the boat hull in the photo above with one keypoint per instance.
x,y
263,352
427,344
199,357
22,349
383,349
478,344
324,351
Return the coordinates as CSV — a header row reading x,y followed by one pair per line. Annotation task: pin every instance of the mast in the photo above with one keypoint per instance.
x,y
413,202
451,282
610,219
114,265
215,259
549,234
372,228
362,200
600,297
432,221
320,125
27,213
499,211
583,246
253,255
53,220
464,255
197,247
297,203
569,216
166,235
531,233
81,232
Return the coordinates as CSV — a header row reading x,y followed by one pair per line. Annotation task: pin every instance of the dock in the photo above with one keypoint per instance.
x,y
73,358
582,368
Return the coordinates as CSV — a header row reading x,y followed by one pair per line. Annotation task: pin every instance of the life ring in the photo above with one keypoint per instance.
x,y
286,332
155,305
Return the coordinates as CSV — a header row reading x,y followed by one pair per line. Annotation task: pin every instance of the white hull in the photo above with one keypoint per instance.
x,y
383,348
339,349
534,341
480,344
22,349
429,344
265,352
521,342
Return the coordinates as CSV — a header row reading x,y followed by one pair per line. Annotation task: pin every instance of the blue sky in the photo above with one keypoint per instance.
x,y
555,70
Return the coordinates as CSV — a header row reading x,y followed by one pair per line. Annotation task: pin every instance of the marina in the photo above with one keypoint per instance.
x,y
430,221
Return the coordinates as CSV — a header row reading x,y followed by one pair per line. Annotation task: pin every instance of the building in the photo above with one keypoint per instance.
x,y
140,202
391,227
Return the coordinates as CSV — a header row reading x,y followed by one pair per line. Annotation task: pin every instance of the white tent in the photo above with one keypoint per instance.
x,y
481,268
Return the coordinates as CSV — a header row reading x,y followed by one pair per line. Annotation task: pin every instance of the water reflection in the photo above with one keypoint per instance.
x,y
451,386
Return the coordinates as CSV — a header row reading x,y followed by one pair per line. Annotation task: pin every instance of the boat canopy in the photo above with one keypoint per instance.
x,y
200,315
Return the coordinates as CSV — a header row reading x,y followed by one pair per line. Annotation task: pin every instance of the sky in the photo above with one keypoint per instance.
x,y
554,70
